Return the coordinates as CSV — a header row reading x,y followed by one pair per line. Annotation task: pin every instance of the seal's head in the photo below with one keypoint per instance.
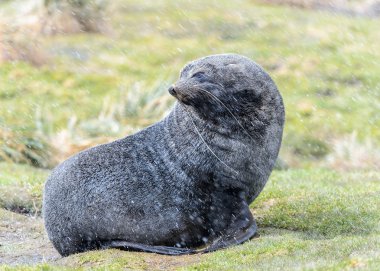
x,y
229,86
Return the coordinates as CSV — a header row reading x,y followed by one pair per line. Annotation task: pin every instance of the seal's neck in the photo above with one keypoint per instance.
x,y
227,153
221,140
181,126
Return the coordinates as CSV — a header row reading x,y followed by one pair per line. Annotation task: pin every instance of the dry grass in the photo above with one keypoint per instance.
x,y
65,17
64,22
348,153
53,23
132,111
21,44
68,142
297,3
354,7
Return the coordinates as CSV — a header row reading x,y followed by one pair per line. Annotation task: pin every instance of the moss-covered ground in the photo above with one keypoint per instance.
x,y
308,219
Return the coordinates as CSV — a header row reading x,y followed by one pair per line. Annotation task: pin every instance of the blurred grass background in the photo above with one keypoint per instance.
x,y
74,76
65,89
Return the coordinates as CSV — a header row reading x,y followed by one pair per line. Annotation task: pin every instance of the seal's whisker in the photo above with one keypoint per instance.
x,y
229,111
204,141
218,100
219,84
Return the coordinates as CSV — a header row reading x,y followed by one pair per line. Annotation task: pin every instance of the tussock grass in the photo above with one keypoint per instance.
x,y
348,152
70,17
18,44
30,149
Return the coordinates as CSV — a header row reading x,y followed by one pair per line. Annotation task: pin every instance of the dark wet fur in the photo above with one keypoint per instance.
x,y
182,185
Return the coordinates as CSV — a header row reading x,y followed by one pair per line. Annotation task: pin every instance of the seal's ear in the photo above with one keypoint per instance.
x,y
249,97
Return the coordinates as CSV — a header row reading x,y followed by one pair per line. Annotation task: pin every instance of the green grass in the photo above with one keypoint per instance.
x,y
308,219
325,66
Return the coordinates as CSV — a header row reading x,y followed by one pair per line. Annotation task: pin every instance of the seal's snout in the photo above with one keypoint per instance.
x,y
172,90
180,93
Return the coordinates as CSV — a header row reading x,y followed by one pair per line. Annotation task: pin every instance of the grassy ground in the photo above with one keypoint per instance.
x,y
308,219
94,88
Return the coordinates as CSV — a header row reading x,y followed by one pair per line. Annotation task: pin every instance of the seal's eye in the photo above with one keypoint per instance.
x,y
201,76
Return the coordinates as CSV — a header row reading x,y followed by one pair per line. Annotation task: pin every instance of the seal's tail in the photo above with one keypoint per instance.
x,y
124,245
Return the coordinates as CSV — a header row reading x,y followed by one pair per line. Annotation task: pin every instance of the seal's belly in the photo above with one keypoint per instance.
x,y
135,210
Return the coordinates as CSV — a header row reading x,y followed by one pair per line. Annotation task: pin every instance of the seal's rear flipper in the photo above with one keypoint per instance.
x,y
124,245
242,228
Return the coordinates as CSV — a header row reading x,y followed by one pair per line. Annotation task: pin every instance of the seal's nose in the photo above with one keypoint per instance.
x,y
172,91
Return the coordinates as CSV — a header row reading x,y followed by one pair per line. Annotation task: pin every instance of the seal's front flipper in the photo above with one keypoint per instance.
x,y
242,228
124,245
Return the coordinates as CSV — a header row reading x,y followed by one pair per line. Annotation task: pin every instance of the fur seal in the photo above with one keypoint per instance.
x,y
182,185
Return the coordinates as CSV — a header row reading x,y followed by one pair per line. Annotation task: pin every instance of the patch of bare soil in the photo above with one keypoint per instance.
x,y
23,240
